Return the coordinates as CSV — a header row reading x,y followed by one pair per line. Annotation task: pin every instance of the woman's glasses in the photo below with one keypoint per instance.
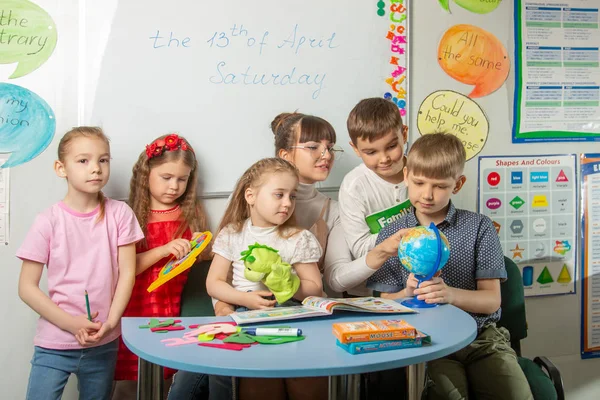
x,y
317,151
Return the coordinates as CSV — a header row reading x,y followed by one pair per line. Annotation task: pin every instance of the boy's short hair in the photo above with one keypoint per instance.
x,y
372,119
437,156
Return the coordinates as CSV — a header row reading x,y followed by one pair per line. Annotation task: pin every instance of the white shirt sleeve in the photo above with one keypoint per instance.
x,y
222,244
307,249
341,272
353,212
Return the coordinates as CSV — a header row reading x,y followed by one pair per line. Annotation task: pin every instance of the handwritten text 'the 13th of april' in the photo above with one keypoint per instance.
x,y
296,43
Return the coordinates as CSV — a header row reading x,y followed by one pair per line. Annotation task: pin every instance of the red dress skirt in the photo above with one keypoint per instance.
x,y
162,302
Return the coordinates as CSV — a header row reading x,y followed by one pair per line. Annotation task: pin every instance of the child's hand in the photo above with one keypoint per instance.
x,y
80,323
435,291
104,330
389,247
87,338
178,247
255,300
411,285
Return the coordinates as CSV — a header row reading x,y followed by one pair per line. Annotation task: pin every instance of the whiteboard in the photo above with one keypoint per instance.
x,y
219,72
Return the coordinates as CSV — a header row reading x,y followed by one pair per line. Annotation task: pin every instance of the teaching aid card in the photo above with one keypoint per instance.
x,y
532,201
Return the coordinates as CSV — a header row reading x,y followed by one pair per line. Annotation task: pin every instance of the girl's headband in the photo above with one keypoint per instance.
x,y
170,143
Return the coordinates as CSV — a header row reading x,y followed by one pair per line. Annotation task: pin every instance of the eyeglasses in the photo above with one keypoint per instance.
x,y
318,151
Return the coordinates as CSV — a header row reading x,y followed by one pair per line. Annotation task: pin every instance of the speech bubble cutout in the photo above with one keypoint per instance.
x,y
450,112
27,124
474,56
27,36
475,6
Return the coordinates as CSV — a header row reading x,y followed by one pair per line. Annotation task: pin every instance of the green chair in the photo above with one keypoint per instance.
x,y
543,376
195,302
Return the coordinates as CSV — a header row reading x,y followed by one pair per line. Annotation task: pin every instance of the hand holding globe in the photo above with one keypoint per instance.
x,y
423,251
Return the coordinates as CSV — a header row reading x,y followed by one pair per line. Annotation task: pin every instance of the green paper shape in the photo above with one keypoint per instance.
x,y
475,6
277,339
153,322
241,338
29,36
545,277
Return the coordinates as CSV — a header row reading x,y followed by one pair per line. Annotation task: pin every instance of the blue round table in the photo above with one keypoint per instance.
x,y
450,329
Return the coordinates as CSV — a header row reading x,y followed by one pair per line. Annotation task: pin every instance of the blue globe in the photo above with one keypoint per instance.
x,y
418,251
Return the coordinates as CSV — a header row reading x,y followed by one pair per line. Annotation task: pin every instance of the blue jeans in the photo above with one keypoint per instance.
x,y
93,366
189,386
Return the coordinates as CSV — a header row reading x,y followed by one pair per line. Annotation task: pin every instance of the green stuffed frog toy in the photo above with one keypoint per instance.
x,y
263,264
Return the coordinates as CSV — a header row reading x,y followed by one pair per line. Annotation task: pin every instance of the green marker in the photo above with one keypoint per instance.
x,y
87,305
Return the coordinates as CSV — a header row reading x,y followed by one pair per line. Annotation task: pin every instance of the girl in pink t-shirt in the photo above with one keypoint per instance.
x,y
87,242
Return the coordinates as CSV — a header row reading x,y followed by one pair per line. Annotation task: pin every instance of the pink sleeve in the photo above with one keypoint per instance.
x,y
128,226
36,246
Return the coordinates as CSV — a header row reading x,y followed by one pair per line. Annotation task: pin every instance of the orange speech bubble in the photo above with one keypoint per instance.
x,y
474,56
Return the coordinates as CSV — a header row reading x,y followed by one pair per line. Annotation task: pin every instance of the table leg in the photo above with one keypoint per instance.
x,y
150,381
337,387
416,380
344,387
353,387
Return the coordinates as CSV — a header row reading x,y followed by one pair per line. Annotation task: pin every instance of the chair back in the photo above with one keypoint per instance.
x,y
513,315
195,302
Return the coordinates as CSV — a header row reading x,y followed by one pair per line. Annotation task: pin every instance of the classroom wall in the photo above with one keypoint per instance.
x,y
554,322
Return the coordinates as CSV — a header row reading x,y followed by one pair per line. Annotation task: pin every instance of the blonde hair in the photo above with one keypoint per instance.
x,y
287,127
192,213
238,210
437,156
372,119
91,132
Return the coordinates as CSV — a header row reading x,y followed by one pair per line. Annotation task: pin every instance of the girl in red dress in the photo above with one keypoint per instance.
x,y
163,197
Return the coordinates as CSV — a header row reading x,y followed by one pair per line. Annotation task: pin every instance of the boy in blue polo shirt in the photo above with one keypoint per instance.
x,y
487,368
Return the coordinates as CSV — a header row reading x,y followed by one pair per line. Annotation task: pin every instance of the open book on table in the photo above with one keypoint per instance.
x,y
314,306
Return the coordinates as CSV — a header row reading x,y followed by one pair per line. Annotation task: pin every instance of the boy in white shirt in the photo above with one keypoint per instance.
x,y
373,194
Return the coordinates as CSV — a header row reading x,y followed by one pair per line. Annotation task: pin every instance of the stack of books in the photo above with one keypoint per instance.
x,y
372,336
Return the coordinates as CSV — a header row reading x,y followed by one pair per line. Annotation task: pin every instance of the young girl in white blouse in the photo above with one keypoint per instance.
x,y
261,210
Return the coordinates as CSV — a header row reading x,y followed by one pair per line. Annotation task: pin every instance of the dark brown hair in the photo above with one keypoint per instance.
x,y
372,119
289,127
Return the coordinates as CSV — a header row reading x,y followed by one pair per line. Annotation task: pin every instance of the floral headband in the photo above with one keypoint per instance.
x,y
170,143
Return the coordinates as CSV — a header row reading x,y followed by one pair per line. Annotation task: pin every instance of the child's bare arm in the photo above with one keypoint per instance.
x,y
38,301
127,260
485,300
311,283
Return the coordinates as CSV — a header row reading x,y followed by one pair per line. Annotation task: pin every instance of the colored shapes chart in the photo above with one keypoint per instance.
x,y
532,203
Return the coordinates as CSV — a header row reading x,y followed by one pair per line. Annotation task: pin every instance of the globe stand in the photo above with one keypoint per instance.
x,y
414,302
